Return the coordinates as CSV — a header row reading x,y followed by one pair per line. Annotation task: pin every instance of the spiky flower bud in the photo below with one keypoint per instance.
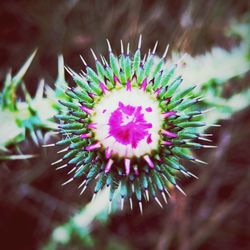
x,y
128,124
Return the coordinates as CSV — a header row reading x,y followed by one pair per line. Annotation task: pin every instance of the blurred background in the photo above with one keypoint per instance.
x,y
36,212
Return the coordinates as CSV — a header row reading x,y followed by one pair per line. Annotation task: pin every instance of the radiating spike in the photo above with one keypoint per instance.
x,y
185,173
122,203
179,188
167,192
108,166
69,70
131,203
206,135
54,163
122,49
94,55
72,170
84,188
147,194
110,207
127,166
63,166
68,181
133,187
204,139
199,161
103,61
93,146
128,49
165,52
84,62
82,184
49,145
193,175
213,125
144,58
93,197
109,46
63,150
108,152
139,42
164,197
209,146
149,161
140,205
158,202
155,47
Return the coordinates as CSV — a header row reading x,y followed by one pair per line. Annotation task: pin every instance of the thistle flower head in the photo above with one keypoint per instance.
x,y
128,124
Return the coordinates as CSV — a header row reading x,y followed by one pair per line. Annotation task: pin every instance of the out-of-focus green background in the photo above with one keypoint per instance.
x,y
37,213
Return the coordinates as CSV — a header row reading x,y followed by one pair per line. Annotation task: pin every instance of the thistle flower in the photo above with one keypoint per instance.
x,y
128,125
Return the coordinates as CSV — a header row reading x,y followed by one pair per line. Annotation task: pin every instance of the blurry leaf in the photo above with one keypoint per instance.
x,y
9,129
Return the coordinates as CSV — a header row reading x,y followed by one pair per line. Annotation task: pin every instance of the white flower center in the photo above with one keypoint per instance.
x,y
127,122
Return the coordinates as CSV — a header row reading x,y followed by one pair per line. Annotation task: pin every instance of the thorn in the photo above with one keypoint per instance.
x,y
84,62
209,146
191,174
140,205
131,203
167,192
155,47
179,188
122,49
164,197
122,203
139,42
72,170
127,166
206,134
103,61
69,70
54,163
93,146
63,150
128,49
149,161
133,187
109,46
93,197
200,161
165,52
159,203
110,207
94,55
147,194
204,139
108,166
108,153
82,184
63,166
68,181
185,173
49,145
84,188
214,125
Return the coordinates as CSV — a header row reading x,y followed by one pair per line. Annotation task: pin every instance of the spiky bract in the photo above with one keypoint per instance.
x,y
128,124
